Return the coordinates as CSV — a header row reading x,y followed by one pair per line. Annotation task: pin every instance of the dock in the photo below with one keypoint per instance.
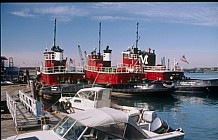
x,y
24,113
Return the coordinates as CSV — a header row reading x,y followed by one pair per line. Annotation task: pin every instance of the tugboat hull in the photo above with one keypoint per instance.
x,y
149,89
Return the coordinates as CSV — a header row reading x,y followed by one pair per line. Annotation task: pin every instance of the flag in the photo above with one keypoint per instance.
x,y
184,59
71,61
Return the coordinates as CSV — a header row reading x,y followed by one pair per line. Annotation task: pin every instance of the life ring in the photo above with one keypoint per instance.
x,y
67,105
62,105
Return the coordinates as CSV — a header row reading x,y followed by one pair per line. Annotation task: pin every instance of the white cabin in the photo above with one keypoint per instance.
x,y
88,98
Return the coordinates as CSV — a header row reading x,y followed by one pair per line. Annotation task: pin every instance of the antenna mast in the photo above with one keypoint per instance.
x,y
55,33
137,36
99,38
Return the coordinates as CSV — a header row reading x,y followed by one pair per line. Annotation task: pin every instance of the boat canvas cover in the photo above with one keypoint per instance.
x,y
100,117
38,135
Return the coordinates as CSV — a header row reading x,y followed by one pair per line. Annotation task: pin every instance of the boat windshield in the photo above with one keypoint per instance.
x,y
69,128
86,95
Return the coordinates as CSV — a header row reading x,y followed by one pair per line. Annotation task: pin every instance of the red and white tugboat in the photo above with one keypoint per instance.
x,y
56,70
99,69
57,73
137,67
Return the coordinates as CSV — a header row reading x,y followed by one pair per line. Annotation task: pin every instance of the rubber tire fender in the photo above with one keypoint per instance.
x,y
62,105
67,105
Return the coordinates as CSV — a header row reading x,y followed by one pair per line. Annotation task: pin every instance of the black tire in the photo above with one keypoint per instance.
x,y
67,105
62,105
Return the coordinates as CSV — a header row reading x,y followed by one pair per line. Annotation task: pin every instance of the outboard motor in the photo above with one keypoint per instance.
x,y
160,126
149,116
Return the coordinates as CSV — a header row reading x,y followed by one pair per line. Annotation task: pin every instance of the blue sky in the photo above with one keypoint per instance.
x,y
171,29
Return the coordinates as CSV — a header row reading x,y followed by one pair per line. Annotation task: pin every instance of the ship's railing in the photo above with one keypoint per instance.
x,y
176,68
101,69
162,68
156,68
12,107
147,68
115,69
126,69
62,69
31,104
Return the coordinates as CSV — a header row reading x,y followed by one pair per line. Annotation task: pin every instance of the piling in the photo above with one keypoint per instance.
x,y
32,88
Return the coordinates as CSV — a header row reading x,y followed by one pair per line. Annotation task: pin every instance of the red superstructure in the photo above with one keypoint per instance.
x,y
56,70
137,66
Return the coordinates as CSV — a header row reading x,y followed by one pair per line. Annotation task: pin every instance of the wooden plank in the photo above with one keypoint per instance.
x,y
21,113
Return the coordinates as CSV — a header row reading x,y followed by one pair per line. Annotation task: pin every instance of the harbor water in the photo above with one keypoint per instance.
x,y
196,115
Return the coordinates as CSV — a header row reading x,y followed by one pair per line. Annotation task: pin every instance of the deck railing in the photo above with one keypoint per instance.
x,y
31,104
136,69
115,69
62,69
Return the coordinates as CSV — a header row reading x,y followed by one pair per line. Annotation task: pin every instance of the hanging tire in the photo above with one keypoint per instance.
x,y
62,105
67,105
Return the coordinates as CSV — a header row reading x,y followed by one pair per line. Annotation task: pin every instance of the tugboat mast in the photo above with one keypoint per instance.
x,y
99,38
137,36
55,34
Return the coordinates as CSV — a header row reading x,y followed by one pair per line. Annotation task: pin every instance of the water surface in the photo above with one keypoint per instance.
x,y
196,114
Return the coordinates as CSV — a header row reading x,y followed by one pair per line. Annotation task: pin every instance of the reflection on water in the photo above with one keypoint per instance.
x,y
197,116
154,103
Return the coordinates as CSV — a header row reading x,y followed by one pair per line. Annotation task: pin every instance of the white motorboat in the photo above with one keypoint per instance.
x,y
89,98
97,124
98,97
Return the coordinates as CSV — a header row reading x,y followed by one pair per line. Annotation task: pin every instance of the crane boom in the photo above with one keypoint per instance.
x,y
81,56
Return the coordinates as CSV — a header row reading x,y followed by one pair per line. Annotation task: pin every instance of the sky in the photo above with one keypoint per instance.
x,y
172,29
